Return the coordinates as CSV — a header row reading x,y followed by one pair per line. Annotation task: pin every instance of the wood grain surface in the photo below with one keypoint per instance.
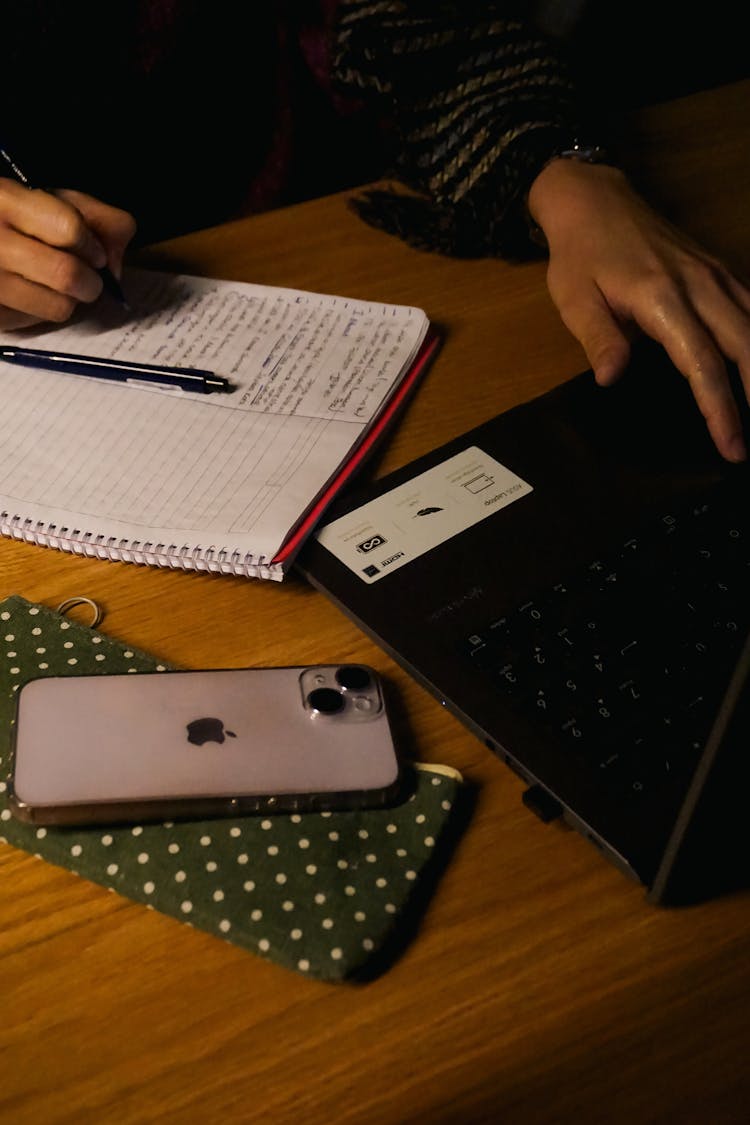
x,y
539,987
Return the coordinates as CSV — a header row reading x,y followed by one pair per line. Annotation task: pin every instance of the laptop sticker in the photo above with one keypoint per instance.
x,y
394,529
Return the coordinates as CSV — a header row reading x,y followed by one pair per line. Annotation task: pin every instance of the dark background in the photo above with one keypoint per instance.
x,y
635,53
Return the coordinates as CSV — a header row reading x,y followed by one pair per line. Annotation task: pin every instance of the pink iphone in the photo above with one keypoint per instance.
x,y
163,745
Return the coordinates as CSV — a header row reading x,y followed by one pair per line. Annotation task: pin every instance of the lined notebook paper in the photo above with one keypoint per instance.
x,y
210,482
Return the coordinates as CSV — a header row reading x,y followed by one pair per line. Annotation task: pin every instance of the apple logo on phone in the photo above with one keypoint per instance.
x,y
207,730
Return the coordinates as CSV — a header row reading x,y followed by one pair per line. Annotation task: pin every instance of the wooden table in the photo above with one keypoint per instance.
x,y
540,987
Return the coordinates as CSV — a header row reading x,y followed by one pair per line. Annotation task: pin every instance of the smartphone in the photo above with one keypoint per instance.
x,y
167,745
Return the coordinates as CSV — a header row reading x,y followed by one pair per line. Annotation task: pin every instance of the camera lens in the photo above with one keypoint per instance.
x,y
352,677
325,701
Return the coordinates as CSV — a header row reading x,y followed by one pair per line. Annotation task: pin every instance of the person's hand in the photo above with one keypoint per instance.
x,y
616,266
50,249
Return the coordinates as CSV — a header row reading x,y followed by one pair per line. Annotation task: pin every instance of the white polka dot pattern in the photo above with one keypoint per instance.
x,y
320,893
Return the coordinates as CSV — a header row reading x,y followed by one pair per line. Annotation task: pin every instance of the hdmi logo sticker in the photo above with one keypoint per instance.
x,y
370,544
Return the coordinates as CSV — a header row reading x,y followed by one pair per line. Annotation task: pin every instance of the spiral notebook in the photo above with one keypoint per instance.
x,y
224,483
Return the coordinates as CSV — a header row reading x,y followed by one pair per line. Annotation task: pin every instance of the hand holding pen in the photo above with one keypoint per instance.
x,y
56,250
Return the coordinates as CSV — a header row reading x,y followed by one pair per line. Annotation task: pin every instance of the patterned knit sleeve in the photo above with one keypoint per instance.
x,y
477,100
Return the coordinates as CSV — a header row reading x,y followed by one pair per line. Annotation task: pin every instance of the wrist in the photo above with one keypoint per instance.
x,y
565,187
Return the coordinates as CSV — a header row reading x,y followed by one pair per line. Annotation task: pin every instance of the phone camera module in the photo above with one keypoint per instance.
x,y
352,677
325,701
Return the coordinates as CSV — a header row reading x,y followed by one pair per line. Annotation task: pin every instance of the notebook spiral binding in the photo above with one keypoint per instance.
x,y
214,560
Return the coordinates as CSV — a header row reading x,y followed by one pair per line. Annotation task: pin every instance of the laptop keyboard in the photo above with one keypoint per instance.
x,y
626,661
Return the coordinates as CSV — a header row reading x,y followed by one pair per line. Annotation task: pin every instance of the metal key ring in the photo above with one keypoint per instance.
x,y
97,610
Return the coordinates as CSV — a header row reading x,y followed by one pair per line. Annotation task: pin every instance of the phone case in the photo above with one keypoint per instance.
x,y
163,745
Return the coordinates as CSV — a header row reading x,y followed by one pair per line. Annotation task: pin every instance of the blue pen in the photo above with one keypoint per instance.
x,y
118,371
110,282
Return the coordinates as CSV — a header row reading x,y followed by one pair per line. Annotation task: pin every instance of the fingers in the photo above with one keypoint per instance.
x,y
50,220
63,273
680,325
606,342
113,227
24,302
725,310
698,353
12,319
50,249
39,282
616,266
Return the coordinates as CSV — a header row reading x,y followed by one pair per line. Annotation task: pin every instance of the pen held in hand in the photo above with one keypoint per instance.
x,y
119,371
113,287
109,281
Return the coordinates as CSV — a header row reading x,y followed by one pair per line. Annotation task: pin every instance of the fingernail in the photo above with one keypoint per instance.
x,y
736,450
606,372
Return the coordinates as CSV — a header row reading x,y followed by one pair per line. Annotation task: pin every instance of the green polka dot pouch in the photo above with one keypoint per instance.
x,y
325,894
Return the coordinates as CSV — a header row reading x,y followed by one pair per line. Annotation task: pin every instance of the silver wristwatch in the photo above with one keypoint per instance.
x,y
580,150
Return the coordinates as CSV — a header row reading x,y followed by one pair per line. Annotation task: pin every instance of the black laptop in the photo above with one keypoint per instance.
x,y
572,580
